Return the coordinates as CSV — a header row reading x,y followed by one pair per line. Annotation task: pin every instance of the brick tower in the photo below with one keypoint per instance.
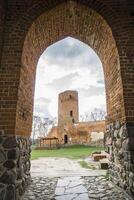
x,y
68,111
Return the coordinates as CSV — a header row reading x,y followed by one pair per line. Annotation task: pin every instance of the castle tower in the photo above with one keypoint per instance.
x,y
68,111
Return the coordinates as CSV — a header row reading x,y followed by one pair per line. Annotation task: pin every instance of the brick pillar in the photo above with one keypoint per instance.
x,y
14,148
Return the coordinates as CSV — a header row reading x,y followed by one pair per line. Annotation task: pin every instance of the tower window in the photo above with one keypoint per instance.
x,y
71,113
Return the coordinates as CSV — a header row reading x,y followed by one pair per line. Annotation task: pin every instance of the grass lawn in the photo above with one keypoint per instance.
x,y
74,152
88,165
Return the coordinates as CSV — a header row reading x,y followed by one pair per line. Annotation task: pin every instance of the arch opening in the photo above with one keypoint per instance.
x,y
86,25
71,71
79,23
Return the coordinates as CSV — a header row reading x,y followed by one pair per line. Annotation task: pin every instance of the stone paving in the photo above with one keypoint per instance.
x,y
41,189
74,188
57,167
71,188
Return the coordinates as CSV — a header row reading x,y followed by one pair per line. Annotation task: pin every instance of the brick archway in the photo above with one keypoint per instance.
x,y
85,24
25,37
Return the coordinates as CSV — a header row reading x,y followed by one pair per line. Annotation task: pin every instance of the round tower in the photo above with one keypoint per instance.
x,y
68,111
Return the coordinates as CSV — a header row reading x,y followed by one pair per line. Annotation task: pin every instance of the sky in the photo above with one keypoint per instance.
x,y
68,64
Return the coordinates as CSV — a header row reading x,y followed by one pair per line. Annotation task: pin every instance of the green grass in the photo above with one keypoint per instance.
x,y
73,152
84,164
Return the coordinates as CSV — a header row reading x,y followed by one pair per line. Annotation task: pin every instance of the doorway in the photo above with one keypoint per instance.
x,y
65,139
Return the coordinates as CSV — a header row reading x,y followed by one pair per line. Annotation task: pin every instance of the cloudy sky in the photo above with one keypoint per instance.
x,y
69,65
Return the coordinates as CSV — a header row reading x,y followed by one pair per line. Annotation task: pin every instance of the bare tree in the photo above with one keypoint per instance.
x,y
96,115
41,126
85,117
36,123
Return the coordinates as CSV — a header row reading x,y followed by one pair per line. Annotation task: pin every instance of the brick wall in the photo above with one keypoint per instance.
x,y
75,20
82,133
79,22
2,21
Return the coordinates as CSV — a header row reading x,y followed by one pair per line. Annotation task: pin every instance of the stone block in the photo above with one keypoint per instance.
x,y
104,163
9,164
131,142
10,142
97,157
2,156
117,124
10,192
8,177
132,156
13,153
2,191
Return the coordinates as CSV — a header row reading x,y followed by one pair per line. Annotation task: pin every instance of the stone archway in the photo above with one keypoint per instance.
x,y
30,36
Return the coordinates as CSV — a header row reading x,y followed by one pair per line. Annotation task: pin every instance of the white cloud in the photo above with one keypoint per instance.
x,y
69,64
87,104
41,107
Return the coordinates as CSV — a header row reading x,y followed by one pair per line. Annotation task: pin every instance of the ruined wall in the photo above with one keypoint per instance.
x,y
95,131
54,132
81,133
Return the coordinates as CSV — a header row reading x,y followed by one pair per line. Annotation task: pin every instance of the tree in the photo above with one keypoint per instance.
x,y
36,122
41,126
96,115
85,117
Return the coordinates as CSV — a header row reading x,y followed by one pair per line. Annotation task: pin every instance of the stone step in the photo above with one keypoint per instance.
x,y
98,157
104,163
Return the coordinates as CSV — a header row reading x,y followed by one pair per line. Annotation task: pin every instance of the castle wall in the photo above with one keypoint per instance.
x,y
91,133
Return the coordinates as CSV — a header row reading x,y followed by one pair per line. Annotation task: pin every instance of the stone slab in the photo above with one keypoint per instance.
x,y
78,190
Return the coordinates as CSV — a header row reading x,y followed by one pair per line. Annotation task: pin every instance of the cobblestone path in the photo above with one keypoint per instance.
x,y
73,188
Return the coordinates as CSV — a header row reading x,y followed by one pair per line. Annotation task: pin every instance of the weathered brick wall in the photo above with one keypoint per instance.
x,y
95,126
2,23
82,133
77,21
21,14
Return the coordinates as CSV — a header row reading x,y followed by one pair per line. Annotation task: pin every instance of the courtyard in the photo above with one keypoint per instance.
x,y
60,176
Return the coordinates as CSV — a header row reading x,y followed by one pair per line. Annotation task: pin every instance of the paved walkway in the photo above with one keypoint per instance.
x,y
56,167
65,179
74,188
